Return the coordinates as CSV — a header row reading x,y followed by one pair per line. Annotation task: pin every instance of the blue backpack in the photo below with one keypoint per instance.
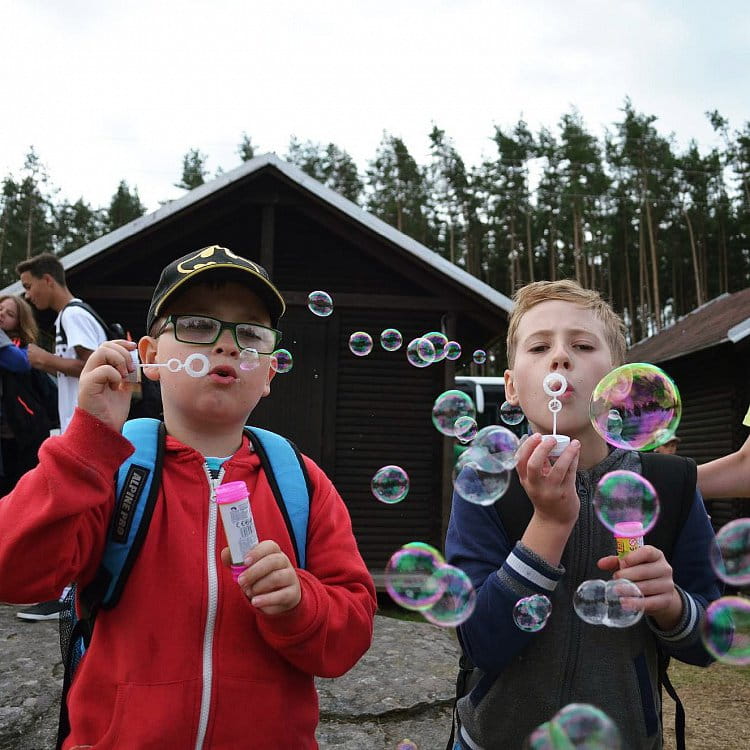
x,y
136,494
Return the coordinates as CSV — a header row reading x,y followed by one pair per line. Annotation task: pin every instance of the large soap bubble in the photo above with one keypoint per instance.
x,y
479,478
465,429
725,630
500,443
577,725
457,599
623,496
730,552
360,343
410,577
448,407
282,361
440,342
511,413
636,406
532,612
617,603
391,339
420,352
452,350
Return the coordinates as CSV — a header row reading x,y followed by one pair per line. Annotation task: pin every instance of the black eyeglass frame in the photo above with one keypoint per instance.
x,y
223,326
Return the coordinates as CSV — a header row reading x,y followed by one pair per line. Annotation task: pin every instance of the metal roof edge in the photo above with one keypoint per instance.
x,y
739,331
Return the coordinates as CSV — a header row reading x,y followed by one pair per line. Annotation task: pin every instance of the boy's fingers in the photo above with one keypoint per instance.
x,y
611,562
261,550
540,455
566,461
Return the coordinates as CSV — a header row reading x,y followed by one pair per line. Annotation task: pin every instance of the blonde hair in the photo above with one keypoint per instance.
x,y
27,330
568,291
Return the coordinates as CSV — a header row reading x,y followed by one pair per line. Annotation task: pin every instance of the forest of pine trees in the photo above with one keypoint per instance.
x,y
656,230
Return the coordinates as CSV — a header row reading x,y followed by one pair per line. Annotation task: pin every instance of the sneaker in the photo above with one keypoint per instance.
x,y
42,611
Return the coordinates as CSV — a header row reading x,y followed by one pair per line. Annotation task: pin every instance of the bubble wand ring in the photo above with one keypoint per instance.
x,y
554,385
195,365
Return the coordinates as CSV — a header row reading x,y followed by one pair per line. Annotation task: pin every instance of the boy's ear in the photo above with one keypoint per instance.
x,y
270,377
511,395
147,346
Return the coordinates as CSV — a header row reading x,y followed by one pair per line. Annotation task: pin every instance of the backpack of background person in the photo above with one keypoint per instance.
x,y
515,511
112,330
137,489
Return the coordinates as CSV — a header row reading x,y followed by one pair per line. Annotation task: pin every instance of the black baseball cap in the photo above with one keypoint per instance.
x,y
215,259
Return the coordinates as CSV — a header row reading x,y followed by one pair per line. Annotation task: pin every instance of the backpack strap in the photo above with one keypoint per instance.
x,y
289,481
110,331
136,494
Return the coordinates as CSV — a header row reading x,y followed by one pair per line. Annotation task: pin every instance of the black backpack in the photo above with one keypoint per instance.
x,y
667,475
29,406
112,330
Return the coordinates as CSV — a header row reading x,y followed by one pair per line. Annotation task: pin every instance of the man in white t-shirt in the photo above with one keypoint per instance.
x,y
77,332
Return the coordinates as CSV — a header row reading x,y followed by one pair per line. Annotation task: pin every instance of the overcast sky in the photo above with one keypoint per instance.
x,y
108,91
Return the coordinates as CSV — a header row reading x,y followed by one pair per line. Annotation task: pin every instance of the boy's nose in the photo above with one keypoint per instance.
x,y
560,359
226,344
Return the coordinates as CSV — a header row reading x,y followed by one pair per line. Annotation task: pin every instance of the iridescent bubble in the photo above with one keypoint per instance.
x,y
320,304
500,443
478,478
420,352
511,413
448,407
624,496
440,342
407,745
465,429
281,361
410,578
636,406
452,350
730,552
725,630
360,343
457,600
479,356
390,484
391,339
249,360
532,612
617,603
586,726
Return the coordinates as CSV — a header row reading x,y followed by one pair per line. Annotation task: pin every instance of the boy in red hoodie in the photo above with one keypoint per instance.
x,y
189,658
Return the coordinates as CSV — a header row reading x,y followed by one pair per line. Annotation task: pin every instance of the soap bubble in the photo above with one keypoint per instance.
x,y
420,352
249,360
624,496
479,356
320,304
730,552
577,725
410,578
360,343
586,726
617,603
511,414
452,350
436,554
636,406
457,599
440,342
465,429
478,478
500,443
448,407
532,612
391,339
725,630
407,745
281,361
390,484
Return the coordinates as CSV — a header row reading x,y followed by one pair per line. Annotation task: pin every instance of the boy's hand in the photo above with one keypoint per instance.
x,y
550,487
649,570
270,581
102,390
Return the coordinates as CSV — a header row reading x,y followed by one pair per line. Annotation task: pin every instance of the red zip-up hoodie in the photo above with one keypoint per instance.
x,y
184,660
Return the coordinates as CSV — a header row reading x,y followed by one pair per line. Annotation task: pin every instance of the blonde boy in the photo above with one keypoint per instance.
x,y
189,658
526,677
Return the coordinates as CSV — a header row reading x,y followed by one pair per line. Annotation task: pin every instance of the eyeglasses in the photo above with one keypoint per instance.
x,y
200,329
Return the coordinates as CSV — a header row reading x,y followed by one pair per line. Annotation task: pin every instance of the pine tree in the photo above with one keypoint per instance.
x,y
193,170
77,224
329,164
246,149
124,207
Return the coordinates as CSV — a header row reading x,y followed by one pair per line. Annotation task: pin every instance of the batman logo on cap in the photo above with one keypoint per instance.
x,y
214,253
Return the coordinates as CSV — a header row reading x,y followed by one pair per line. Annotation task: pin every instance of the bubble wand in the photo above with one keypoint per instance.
x,y
195,365
554,385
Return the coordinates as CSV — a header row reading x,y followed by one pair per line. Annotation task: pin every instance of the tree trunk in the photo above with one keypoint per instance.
x,y
529,249
694,254
576,248
645,288
552,253
654,266
28,227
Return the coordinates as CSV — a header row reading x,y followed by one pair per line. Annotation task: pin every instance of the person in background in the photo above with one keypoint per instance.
x,y
670,447
77,335
23,422
728,476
